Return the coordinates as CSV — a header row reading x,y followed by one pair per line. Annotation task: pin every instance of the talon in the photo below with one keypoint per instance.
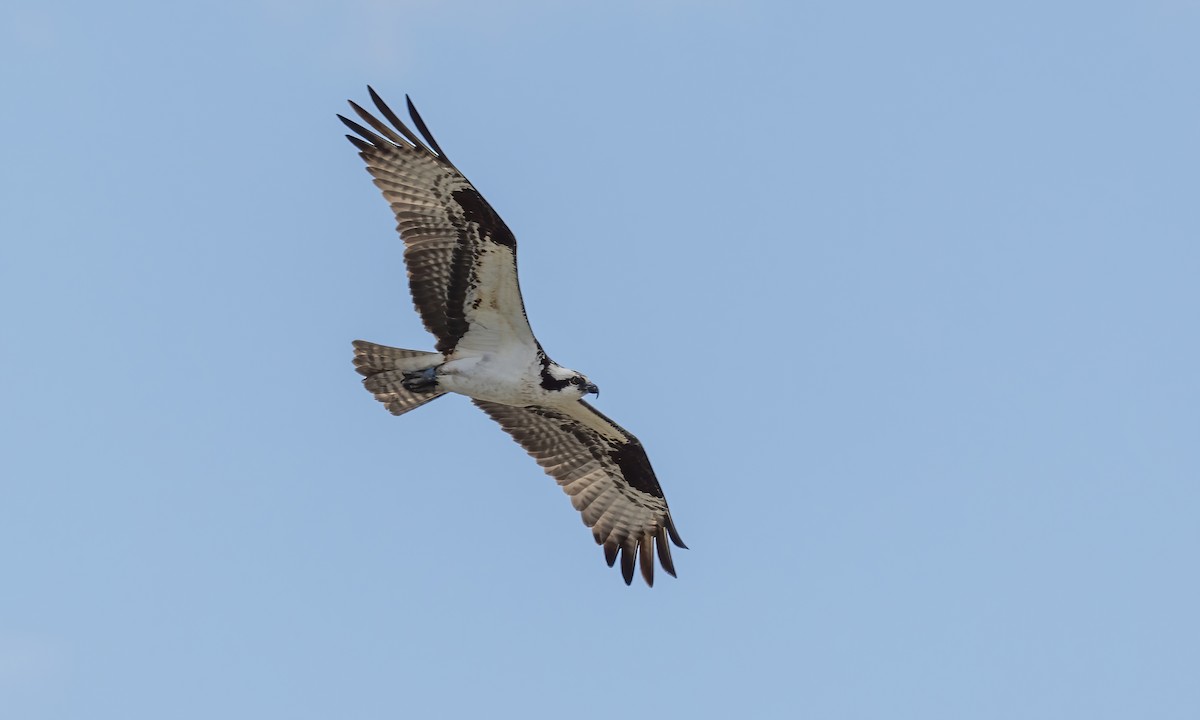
x,y
420,380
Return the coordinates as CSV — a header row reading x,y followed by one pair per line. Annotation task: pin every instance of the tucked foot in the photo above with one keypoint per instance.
x,y
421,380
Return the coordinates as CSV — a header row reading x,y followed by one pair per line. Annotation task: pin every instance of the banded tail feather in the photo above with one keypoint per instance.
x,y
383,369
461,261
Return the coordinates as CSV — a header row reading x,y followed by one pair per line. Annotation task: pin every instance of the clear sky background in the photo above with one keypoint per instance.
x,y
902,298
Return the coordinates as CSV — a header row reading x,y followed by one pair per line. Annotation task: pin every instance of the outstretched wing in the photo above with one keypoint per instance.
x,y
461,257
607,474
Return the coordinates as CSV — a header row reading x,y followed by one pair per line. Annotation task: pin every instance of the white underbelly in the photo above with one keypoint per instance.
x,y
494,377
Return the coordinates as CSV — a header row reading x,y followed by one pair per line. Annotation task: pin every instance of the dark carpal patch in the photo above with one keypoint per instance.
x,y
450,233
635,466
477,210
456,296
629,455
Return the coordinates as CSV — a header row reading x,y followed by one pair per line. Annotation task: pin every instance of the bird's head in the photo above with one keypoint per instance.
x,y
568,382
586,387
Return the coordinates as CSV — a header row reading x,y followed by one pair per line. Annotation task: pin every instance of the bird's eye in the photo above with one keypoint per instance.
x,y
577,381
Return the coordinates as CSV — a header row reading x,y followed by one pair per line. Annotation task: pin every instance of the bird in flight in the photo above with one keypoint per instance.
x,y
462,273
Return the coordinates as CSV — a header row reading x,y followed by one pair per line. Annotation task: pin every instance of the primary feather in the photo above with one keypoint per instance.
x,y
462,272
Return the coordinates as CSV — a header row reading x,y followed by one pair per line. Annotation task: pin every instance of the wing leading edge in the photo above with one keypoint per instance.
x,y
449,230
462,272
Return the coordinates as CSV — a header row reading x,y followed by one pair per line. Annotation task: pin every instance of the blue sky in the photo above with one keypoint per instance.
x,y
901,297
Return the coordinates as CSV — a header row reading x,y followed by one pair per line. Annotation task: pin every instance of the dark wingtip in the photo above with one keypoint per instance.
x,y
674,533
379,103
357,108
610,553
362,145
346,121
368,142
423,129
664,551
365,133
646,555
628,558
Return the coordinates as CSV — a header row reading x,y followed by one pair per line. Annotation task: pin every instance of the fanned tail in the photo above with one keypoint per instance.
x,y
383,369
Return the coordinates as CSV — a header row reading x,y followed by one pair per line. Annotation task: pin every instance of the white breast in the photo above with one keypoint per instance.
x,y
510,378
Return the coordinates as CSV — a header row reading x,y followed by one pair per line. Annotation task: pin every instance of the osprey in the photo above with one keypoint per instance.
x,y
462,272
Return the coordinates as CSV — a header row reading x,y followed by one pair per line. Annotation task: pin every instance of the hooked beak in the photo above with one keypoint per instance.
x,y
591,389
